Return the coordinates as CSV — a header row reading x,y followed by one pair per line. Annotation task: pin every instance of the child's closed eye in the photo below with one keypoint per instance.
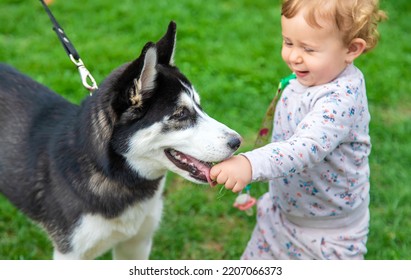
x,y
308,50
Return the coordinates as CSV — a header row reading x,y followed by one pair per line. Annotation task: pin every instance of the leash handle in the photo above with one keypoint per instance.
x,y
85,75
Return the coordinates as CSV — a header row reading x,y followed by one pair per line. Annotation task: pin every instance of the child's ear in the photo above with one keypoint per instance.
x,y
355,49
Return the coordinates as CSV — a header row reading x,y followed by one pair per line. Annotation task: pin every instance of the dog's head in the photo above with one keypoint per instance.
x,y
156,118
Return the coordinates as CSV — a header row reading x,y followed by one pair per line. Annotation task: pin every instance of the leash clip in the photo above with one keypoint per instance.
x,y
85,75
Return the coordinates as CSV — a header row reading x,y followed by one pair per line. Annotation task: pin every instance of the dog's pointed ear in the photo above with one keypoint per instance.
x,y
166,45
146,80
137,80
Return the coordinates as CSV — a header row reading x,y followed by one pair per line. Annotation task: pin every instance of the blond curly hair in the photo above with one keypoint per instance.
x,y
354,18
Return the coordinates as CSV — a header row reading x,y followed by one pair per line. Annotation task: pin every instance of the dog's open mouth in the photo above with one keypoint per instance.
x,y
197,169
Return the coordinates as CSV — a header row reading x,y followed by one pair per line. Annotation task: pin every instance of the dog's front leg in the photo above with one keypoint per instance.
x,y
138,247
69,256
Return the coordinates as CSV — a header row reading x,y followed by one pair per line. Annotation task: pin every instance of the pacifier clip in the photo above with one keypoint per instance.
x,y
245,201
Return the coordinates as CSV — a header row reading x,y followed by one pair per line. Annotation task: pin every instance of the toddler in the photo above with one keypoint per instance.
x,y
317,162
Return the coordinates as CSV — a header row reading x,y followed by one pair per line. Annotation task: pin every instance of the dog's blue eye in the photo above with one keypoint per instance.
x,y
182,114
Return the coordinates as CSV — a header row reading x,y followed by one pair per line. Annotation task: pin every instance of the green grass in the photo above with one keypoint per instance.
x,y
230,50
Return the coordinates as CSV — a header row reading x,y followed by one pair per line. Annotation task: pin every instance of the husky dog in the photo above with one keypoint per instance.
x,y
92,175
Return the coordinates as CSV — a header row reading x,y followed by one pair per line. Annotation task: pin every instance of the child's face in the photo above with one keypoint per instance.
x,y
316,55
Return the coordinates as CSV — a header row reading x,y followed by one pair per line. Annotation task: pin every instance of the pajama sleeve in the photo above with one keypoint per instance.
x,y
329,122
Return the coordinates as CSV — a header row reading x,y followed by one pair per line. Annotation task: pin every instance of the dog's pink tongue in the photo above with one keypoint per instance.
x,y
203,167
210,182
206,171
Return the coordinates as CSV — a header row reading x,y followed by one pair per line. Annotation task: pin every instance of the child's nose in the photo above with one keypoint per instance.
x,y
295,56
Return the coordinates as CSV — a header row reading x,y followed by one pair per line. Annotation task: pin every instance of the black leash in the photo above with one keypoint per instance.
x,y
72,52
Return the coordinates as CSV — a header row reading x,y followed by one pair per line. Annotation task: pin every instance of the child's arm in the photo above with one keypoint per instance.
x,y
235,173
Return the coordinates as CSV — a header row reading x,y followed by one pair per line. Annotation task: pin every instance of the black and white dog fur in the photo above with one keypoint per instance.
x,y
92,175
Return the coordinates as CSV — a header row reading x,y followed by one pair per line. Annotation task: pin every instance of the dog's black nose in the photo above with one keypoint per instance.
x,y
234,142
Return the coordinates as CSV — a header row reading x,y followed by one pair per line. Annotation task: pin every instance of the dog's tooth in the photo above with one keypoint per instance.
x,y
176,155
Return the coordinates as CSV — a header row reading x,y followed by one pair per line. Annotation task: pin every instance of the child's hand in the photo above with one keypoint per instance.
x,y
235,173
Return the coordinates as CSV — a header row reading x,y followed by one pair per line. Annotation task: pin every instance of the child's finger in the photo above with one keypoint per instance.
x,y
214,171
238,187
